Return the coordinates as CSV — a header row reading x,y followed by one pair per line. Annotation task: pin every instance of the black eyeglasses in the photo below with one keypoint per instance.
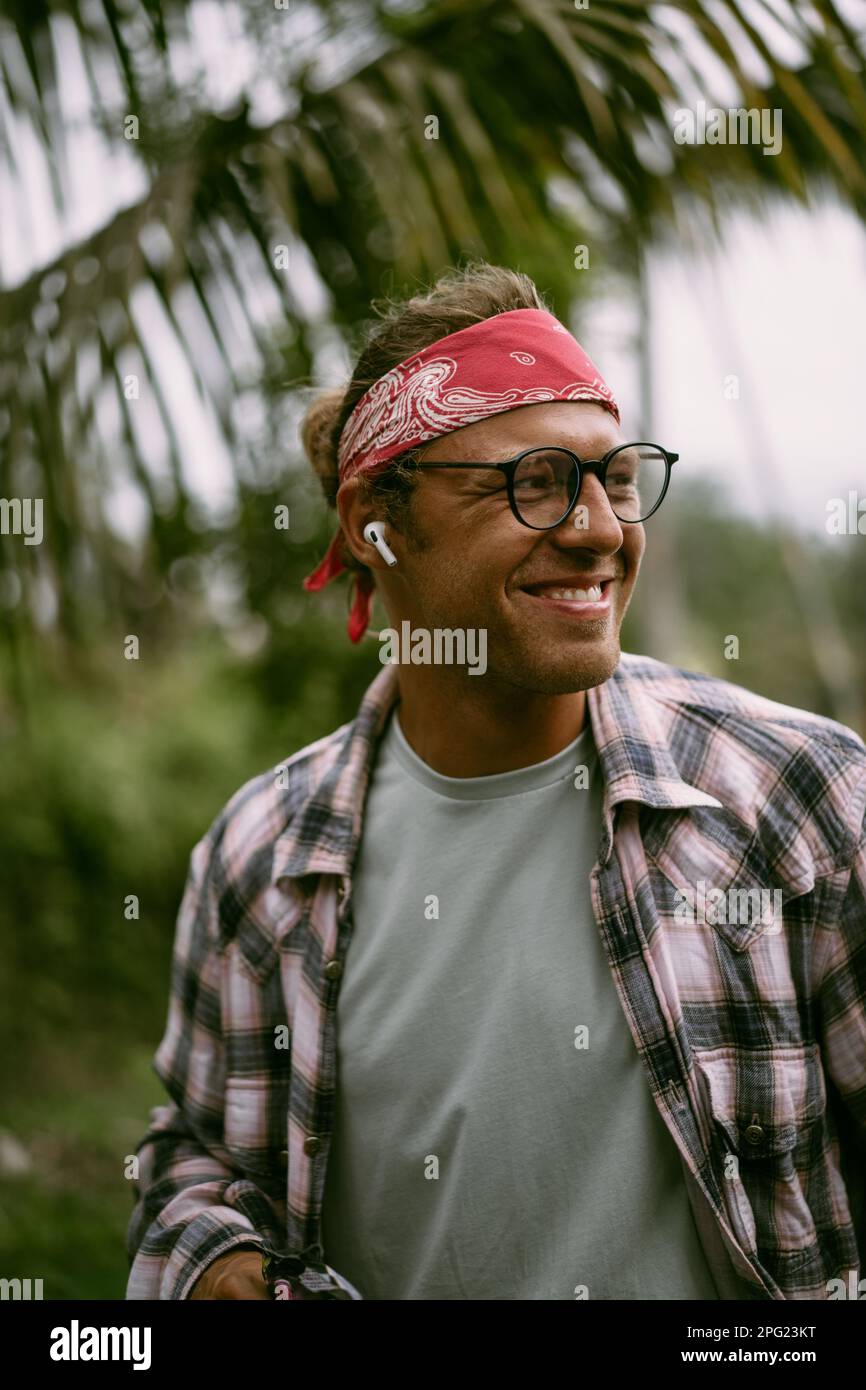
x,y
544,483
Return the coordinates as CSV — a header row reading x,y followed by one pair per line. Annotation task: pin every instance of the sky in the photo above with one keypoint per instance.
x,y
781,307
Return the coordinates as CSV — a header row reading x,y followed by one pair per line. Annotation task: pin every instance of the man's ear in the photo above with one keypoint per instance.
x,y
354,510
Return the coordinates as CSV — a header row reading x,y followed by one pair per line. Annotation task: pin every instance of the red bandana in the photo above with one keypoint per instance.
x,y
518,358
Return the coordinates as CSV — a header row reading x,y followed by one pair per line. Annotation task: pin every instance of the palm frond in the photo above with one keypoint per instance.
x,y
407,139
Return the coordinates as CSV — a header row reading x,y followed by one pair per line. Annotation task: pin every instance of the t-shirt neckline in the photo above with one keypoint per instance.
x,y
581,751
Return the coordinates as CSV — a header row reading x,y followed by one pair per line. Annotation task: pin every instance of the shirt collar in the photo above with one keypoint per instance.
x,y
629,724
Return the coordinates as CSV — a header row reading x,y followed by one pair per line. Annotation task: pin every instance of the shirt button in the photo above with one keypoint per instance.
x,y
333,970
312,1144
754,1134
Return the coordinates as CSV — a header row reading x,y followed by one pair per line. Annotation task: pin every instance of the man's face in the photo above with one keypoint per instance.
x,y
467,562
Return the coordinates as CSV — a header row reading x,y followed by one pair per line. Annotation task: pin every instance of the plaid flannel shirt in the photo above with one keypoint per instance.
x,y
752,1031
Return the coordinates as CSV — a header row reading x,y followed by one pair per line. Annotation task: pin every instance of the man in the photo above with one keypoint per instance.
x,y
541,980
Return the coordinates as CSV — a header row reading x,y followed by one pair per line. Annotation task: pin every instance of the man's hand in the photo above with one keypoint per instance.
x,y
236,1274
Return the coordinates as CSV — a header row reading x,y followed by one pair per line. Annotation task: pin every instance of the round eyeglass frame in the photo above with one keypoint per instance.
x,y
509,467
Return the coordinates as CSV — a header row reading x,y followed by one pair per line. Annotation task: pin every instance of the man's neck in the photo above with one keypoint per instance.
x,y
465,733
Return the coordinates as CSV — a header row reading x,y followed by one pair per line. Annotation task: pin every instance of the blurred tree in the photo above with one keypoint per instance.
x,y
229,188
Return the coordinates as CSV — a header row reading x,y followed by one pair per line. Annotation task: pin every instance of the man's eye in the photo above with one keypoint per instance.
x,y
531,484
540,479
623,478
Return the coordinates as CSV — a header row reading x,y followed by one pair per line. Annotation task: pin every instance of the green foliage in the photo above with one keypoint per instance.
x,y
103,796
65,1220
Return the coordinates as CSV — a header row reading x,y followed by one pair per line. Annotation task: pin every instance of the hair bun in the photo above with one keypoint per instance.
x,y
319,434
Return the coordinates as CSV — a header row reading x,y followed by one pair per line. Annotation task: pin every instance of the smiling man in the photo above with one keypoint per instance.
x,y
551,597
443,1012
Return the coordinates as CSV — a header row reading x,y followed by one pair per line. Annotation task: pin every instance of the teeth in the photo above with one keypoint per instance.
x,y
591,595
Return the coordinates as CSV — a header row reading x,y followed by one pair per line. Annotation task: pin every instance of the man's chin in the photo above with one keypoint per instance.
x,y
561,672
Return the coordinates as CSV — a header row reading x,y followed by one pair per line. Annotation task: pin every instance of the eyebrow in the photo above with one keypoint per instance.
x,y
487,478
473,457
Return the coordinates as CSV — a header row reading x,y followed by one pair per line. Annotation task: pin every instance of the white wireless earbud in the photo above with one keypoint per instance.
x,y
373,532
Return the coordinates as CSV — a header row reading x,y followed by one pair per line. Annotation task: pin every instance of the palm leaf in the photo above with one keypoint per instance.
x,y
528,95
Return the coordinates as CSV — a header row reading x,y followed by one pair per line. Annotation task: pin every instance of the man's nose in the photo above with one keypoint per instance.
x,y
591,518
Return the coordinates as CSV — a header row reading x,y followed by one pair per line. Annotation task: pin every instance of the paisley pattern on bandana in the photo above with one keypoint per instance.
x,y
433,392
415,399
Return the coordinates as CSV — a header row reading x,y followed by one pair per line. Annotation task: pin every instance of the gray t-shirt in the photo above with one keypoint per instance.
x,y
494,1136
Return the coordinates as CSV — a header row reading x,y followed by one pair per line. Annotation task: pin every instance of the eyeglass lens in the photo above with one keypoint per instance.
x,y
545,481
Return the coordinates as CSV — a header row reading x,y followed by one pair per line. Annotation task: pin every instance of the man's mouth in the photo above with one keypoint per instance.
x,y
583,600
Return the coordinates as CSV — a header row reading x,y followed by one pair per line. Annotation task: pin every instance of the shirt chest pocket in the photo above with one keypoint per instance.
x,y
765,1112
763,1103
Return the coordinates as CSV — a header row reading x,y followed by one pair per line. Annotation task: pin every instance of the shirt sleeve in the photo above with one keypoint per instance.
x,y
843,1026
192,1204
